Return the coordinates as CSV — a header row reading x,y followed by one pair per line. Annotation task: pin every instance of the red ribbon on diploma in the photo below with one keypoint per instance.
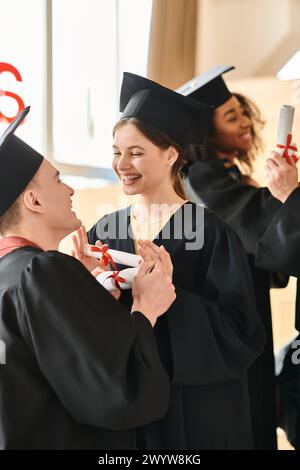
x,y
288,147
106,257
117,278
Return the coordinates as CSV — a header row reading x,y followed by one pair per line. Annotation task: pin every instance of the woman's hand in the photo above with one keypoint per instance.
x,y
151,253
282,176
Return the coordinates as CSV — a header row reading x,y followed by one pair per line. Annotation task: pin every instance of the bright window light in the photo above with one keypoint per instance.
x,y
291,70
93,43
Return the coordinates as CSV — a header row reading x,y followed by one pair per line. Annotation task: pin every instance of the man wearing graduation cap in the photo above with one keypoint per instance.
x,y
213,178
80,371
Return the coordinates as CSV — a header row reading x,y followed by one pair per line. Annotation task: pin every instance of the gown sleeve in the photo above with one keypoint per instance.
x,y
101,361
278,249
216,334
246,209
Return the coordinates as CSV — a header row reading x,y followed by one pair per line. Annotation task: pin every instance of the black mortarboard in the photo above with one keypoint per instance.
x,y
18,164
209,87
183,119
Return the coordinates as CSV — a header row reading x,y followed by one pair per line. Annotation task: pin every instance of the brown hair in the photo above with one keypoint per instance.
x,y
10,218
246,158
162,141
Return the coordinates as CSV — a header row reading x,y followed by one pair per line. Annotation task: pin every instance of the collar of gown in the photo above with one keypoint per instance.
x,y
8,244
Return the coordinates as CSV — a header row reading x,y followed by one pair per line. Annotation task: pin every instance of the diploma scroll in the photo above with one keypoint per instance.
x,y
285,124
119,257
112,280
285,147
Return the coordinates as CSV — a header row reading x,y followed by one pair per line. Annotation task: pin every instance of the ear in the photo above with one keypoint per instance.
x,y
31,201
172,155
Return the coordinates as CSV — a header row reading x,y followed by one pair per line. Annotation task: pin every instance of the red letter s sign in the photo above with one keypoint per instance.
x,y
4,67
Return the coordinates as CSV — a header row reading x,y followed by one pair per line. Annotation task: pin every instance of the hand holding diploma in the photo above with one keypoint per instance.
x,y
106,255
281,169
150,276
121,280
79,241
111,280
282,176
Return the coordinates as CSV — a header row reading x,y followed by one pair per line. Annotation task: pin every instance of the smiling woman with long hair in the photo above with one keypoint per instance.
x,y
212,333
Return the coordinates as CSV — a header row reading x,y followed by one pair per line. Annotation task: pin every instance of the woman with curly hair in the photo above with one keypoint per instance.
x,y
219,174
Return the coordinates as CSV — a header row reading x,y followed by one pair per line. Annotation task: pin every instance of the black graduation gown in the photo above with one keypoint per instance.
x,y
207,339
248,210
80,371
279,248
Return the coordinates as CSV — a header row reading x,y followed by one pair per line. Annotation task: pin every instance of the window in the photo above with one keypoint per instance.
x,y
70,55
93,43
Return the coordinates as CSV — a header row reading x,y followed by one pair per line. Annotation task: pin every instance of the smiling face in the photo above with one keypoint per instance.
x,y
142,167
49,198
232,127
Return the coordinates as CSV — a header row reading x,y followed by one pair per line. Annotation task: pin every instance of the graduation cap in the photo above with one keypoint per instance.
x,y
183,119
18,164
209,87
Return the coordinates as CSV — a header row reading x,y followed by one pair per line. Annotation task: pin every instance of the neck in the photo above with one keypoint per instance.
x,y
163,197
45,239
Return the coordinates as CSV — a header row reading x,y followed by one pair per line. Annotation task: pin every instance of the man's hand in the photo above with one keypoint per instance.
x,y
153,292
79,240
282,176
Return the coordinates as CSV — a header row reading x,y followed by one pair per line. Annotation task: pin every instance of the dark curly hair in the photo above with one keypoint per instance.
x,y
246,158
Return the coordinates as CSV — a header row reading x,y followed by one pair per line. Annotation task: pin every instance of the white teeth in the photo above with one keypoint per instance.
x,y
130,177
